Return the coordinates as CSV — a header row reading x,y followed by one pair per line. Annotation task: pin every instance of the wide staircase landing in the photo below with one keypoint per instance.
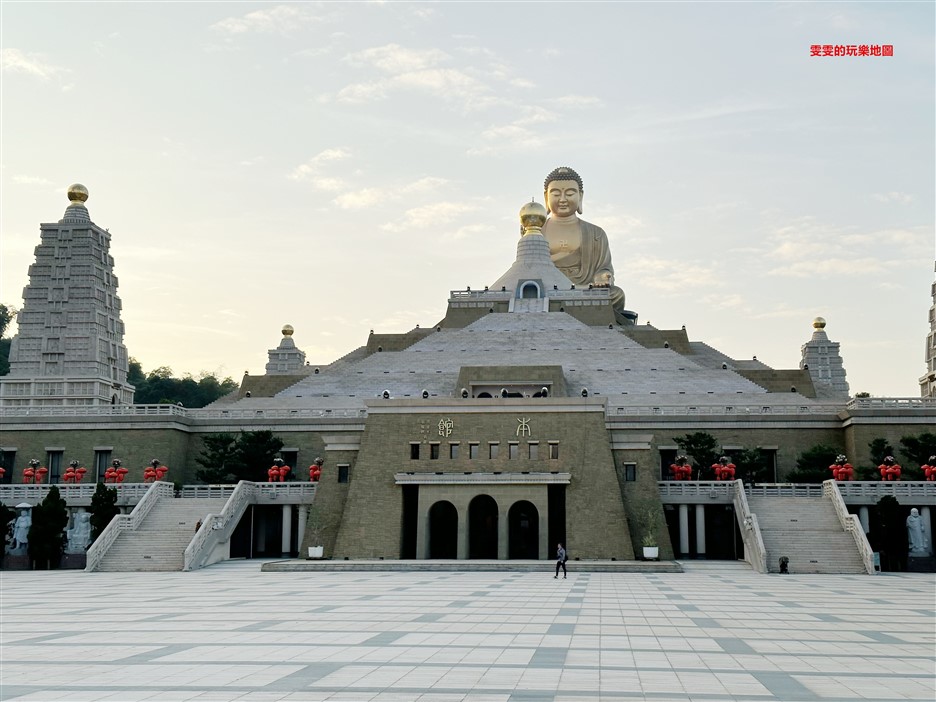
x,y
160,542
808,532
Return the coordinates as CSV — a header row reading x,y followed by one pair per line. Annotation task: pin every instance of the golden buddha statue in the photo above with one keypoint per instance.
x,y
578,248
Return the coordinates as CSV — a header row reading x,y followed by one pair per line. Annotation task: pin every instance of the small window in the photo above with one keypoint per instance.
x,y
493,450
7,461
102,459
434,452
453,450
344,473
630,472
473,451
414,452
54,463
554,450
513,451
534,451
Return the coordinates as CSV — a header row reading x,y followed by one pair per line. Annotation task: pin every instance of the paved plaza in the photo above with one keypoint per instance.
x,y
230,632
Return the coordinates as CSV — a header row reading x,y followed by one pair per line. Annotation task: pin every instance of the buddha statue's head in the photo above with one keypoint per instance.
x,y
563,192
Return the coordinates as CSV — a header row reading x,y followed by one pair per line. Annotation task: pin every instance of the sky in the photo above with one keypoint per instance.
x,y
341,167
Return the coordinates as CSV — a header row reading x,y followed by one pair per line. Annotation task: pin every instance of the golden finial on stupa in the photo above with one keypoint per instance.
x,y
818,323
77,194
532,217
288,330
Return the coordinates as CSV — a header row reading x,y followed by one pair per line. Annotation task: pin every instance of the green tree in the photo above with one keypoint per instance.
x,y
159,386
917,450
217,459
103,509
813,465
7,315
702,448
879,449
247,456
753,465
47,533
7,515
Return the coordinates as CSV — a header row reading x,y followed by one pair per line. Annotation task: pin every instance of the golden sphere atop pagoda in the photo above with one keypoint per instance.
x,y
77,194
288,330
819,323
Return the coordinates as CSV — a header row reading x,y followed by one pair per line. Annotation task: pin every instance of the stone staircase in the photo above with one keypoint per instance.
x,y
160,541
807,531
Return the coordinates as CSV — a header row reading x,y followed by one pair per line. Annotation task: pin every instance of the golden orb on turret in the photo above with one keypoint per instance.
x,y
818,323
532,217
288,330
77,194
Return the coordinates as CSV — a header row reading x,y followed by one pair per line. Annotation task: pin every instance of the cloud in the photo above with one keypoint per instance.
x,y
436,214
311,168
396,59
659,273
31,180
893,196
580,101
15,61
838,267
368,197
281,19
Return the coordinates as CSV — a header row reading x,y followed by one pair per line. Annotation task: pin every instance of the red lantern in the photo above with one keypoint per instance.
x,y
41,474
161,472
315,472
80,473
929,471
272,474
121,474
2,472
69,476
149,475
889,469
28,474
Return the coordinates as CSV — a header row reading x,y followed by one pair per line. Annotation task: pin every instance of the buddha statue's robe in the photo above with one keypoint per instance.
x,y
583,265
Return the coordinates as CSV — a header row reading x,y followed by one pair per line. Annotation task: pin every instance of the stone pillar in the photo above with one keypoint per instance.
x,y
303,514
461,552
927,528
260,526
422,526
502,534
700,531
684,530
543,511
287,530
863,518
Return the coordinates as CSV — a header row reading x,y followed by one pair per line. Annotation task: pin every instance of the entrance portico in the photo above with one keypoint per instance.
x,y
513,506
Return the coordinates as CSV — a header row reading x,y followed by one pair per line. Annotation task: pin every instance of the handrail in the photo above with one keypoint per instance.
x,y
783,490
712,489
766,406
217,528
755,552
850,523
892,403
125,522
880,488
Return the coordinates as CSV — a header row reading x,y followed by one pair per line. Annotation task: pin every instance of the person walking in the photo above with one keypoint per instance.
x,y
561,558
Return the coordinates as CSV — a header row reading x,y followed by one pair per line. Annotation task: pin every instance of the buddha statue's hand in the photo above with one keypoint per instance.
x,y
603,280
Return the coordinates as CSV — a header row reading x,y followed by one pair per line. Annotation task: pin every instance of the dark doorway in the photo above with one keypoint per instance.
x,y
410,519
523,530
482,527
529,291
443,530
557,516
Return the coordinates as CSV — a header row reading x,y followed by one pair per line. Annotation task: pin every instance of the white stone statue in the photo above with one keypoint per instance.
x,y
79,536
915,532
21,531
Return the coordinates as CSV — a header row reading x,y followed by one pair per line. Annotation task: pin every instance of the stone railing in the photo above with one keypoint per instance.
x,y
872,491
217,528
273,413
676,490
95,411
755,552
783,490
217,492
850,523
74,495
126,522
701,410
892,403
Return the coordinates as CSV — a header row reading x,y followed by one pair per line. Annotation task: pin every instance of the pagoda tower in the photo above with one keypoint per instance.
x,y
69,347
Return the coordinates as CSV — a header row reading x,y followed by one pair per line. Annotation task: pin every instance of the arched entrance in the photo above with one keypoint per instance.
x,y
523,530
482,527
529,291
443,530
